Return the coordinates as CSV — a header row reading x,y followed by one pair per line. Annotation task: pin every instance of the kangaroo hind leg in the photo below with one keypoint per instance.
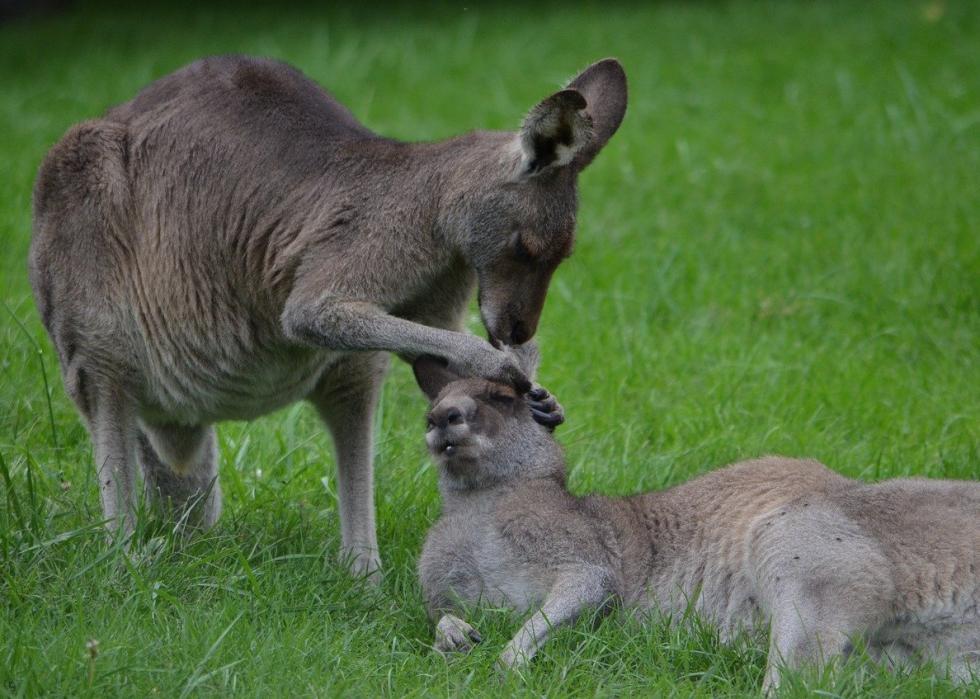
x,y
180,473
823,581
112,424
346,400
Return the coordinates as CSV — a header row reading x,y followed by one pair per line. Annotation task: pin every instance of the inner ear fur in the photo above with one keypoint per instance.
x,y
572,125
432,375
555,131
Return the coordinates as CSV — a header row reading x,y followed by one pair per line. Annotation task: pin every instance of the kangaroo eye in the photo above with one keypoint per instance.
x,y
429,424
503,398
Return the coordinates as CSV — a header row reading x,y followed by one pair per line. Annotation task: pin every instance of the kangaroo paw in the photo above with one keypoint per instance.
x,y
453,635
545,407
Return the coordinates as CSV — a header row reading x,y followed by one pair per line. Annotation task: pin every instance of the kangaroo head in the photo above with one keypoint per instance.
x,y
480,432
517,204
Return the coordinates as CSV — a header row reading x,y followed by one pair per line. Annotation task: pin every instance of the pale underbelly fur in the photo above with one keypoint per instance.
x,y
235,389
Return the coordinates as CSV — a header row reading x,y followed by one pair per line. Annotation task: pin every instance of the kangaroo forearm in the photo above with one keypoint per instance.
x,y
567,600
439,605
348,326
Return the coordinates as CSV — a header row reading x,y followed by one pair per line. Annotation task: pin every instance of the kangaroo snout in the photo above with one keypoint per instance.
x,y
520,333
511,331
510,326
449,431
511,301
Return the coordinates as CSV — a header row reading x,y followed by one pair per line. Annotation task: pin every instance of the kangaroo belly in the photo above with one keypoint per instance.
x,y
200,382
718,590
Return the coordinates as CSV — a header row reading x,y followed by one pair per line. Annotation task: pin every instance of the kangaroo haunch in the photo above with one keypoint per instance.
x,y
233,240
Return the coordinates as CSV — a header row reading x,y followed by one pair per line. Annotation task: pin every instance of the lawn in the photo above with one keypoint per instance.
x,y
779,252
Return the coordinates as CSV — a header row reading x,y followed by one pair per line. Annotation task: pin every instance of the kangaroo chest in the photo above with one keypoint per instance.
x,y
509,581
466,558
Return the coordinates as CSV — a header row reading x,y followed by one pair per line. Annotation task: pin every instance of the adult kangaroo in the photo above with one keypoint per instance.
x,y
787,545
233,240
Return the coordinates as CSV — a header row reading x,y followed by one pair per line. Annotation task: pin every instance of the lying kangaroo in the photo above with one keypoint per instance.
x,y
818,558
233,240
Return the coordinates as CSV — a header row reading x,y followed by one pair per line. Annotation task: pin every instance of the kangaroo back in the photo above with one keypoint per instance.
x,y
232,95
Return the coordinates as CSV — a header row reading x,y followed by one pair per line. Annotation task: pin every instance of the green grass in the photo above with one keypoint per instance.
x,y
778,253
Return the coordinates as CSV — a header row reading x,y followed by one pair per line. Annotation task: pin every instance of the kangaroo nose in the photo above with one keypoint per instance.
x,y
454,416
519,333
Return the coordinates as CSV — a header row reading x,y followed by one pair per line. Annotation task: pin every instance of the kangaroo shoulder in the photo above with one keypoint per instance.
x,y
548,525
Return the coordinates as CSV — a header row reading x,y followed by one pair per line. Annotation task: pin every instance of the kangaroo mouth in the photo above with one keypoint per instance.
x,y
451,451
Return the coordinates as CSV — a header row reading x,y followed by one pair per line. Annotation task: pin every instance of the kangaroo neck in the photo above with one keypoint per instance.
x,y
473,499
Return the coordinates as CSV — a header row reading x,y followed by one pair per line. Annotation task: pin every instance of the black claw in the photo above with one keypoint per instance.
x,y
475,636
537,393
545,406
548,419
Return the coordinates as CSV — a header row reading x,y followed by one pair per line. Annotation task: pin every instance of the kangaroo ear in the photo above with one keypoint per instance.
x,y
603,85
432,375
554,132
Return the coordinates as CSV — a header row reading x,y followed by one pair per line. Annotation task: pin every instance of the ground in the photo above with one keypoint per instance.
x,y
779,252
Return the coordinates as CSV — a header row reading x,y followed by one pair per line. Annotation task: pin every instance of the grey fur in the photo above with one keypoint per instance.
x,y
777,542
233,240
